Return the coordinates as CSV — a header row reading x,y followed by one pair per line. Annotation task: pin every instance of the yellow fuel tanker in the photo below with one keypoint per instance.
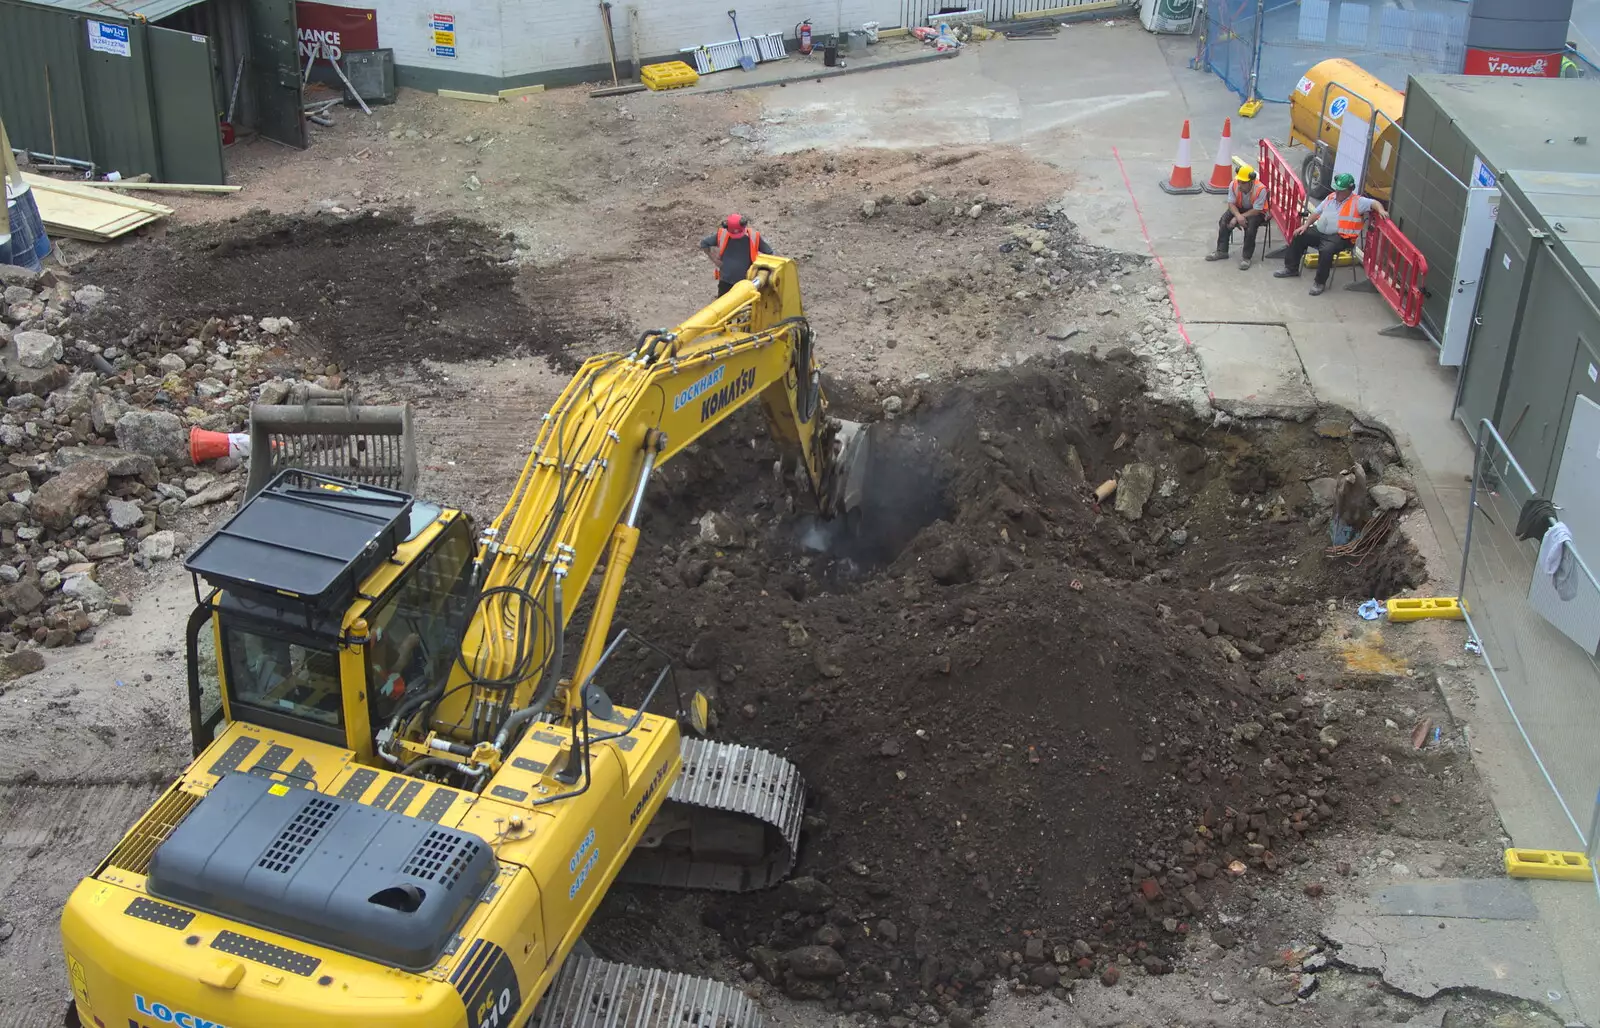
x,y
1334,94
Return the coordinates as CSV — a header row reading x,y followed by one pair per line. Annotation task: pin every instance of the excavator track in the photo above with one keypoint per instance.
x,y
593,993
730,824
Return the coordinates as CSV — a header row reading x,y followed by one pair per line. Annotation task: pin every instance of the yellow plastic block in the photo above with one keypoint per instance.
x,y
1250,108
1342,259
1415,608
1556,865
668,75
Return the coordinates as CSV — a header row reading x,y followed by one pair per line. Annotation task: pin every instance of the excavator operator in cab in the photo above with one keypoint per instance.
x,y
731,250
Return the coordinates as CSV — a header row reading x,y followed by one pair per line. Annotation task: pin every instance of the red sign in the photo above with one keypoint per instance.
x,y
335,29
1527,65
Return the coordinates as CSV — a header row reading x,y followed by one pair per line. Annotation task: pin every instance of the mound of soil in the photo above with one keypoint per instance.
x,y
368,291
1036,732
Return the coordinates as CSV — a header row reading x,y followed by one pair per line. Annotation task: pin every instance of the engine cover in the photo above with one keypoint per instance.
x,y
337,873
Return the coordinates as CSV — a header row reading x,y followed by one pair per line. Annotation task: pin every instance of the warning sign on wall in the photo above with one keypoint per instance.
x,y
443,27
335,29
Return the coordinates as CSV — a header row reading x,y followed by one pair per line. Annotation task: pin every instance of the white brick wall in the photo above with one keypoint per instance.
x,y
548,35
510,38
403,26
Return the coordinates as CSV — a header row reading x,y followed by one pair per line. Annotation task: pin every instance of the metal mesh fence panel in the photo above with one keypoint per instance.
x,y
1388,41
1537,633
1230,42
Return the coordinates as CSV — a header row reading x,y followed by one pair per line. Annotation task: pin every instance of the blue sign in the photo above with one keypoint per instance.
x,y
1338,107
107,38
1482,177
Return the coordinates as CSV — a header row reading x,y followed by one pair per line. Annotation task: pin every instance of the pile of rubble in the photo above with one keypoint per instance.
x,y
95,469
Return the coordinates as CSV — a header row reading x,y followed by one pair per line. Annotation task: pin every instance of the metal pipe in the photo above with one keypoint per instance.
x,y
1594,831
50,158
1472,507
1255,49
644,480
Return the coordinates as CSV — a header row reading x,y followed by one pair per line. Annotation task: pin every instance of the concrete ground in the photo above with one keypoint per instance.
x,y
1104,103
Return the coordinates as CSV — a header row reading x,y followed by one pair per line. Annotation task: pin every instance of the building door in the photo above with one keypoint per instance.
x,y
1493,330
183,90
1477,232
275,71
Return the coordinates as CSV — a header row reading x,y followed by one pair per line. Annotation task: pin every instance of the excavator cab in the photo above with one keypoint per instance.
x,y
330,603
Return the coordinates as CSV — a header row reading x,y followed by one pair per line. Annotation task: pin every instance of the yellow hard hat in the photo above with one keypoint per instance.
x,y
1246,173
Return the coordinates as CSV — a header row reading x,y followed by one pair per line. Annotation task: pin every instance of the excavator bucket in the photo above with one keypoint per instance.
x,y
324,430
844,480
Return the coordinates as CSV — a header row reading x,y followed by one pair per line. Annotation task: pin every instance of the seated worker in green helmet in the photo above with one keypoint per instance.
x,y
1335,227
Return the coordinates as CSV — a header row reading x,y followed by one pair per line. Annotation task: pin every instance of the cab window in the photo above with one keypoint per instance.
x,y
280,677
416,629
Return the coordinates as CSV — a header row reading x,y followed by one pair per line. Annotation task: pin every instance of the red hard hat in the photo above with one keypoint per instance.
x,y
735,225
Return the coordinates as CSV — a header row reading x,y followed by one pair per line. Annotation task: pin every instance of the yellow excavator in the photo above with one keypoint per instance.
x,y
412,797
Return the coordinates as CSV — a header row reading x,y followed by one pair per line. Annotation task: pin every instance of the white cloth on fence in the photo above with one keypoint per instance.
x,y
1555,560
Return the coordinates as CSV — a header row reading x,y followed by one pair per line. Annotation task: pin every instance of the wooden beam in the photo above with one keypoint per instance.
x,y
83,189
164,187
457,94
512,94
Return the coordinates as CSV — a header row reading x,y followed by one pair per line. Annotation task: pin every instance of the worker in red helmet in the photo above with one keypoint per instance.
x,y
732,250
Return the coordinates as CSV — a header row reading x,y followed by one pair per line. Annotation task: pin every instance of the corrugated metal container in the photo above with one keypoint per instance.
x,y
1535,343
102,86
1464,121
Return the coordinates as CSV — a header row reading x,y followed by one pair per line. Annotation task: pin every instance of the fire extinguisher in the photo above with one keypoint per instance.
x,y
803,30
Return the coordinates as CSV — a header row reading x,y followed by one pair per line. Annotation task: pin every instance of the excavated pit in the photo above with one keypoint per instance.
x,y
1024,718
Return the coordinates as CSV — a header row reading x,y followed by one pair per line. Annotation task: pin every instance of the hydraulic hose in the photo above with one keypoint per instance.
x,y
552,673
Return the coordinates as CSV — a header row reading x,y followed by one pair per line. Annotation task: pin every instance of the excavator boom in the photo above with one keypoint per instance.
x,y
623,415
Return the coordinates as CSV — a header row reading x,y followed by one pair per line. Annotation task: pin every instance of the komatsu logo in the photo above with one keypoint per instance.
x,y
688,396
166,1015
719,400
649,791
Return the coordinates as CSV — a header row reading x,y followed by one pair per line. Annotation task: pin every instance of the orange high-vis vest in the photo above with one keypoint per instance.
x,y
723,239
1238,198
1351,220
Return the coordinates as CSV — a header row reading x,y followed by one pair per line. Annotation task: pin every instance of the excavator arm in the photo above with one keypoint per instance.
x,y
580,492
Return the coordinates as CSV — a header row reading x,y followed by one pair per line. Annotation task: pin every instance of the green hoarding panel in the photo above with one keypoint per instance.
x,y
183,91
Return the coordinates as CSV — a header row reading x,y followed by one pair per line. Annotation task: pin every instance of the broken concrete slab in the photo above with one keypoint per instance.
x,y
1425,956
1253,371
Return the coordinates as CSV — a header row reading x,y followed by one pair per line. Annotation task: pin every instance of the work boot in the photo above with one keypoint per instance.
x,y
1220,255
1244,265
1285,273
1317,289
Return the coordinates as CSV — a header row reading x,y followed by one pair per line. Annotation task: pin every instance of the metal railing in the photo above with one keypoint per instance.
x,y
1537,633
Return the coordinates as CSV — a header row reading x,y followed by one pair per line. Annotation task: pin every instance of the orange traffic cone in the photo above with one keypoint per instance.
x,y
1222,166
1182,181
205,445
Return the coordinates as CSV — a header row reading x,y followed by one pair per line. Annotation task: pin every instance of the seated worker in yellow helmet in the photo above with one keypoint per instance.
x,y
1247,209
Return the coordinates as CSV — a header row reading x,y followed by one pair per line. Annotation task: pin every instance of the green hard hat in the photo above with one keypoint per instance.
x,y
1344,180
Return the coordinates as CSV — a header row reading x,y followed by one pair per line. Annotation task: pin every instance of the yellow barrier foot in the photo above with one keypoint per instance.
x,y
1555,865
1250,108
1415,608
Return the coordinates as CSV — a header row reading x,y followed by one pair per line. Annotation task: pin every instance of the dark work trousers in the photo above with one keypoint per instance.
x,y
723,287
1253,220
1327,248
